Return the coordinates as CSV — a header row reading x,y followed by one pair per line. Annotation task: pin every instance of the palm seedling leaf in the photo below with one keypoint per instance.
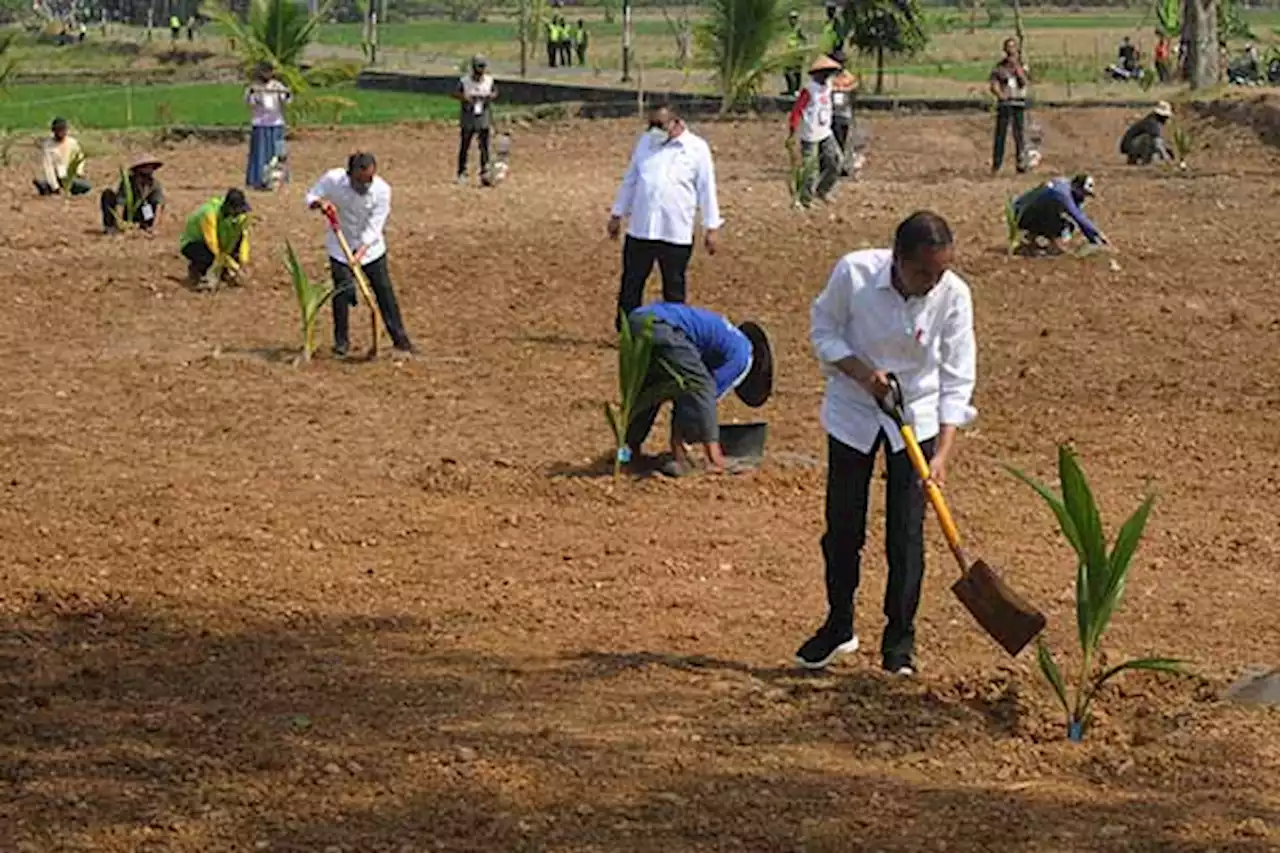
x,y
1052,674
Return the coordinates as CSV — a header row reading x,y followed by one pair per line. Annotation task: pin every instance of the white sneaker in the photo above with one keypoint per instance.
x,y
905,672
822,648
462,181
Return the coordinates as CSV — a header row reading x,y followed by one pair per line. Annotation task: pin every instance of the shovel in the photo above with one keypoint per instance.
x,y
362,283
1009,618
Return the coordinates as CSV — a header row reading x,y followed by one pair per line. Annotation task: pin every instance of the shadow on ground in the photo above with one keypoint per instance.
x,y
130,728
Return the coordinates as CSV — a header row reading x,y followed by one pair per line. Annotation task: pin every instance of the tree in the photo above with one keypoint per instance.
x,y
277,33
1200,34
886,26
738,37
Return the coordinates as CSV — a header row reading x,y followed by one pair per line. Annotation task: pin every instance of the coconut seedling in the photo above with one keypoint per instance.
x,y
311,298
635,362
1183,141
1011,224
74,167
1101,576
126,219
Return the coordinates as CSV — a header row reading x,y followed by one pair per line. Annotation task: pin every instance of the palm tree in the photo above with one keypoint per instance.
x,y
277,33
739,36
7,65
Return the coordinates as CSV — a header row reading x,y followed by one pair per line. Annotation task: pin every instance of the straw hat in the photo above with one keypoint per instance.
x,y
145,164
1164,110
824,63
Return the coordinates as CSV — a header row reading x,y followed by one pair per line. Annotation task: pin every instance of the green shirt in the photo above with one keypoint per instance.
x,y
207,225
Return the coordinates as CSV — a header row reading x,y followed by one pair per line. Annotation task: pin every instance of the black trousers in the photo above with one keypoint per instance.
x,y
638,258
848,482
1006,116
552,51
793,80
566,53
380,282
840,129
200,257
464,148
582,53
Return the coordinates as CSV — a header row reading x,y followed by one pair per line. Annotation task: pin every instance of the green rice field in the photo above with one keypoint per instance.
x,y
205,104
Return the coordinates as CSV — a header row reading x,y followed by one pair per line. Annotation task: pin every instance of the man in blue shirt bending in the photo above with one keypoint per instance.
x,y
716,357
1051,212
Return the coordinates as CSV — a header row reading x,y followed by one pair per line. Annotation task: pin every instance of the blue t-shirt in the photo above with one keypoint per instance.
x,y
1054,198
725,351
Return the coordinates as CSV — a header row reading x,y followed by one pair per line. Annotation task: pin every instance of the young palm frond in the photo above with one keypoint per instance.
x,y
1011,224
7,64
128,204
738,36
1100,582
635,364
277,33
1183,141
74,167
311,298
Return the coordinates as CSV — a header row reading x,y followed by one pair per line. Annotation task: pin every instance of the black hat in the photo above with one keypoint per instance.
x,y
58,123
234,203
756,388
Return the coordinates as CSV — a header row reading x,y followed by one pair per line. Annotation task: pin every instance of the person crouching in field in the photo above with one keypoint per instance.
x,y
219,227
714,357
1144,140
811,117
1051,213
146,194
59,153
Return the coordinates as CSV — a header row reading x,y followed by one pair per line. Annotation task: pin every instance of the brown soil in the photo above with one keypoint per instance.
x,y
377,607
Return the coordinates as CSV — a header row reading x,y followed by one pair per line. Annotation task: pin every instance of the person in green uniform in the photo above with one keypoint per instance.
x,y
796,41
565,43
553,36
580,38
175,26
219,227
832,37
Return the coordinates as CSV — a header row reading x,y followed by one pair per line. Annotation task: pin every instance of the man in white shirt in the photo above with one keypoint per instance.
x,y
670,176
362,202
59,152
902,312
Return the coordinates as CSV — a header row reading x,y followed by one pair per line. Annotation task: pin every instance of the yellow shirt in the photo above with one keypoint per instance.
x,y
57,156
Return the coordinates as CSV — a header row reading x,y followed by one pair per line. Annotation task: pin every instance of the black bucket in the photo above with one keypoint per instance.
x,y
744,441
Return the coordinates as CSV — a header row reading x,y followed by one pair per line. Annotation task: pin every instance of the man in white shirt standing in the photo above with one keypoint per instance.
x,y
362,202
899,311
670,176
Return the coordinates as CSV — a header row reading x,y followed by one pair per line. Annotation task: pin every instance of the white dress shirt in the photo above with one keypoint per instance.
x,y
927,341
361,217
667,180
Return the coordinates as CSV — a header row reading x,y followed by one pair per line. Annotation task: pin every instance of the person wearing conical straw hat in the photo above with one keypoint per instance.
x,y
811,119
1144,140
138,200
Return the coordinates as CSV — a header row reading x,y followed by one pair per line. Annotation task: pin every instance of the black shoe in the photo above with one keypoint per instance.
x,y
901,665
823,647
341,350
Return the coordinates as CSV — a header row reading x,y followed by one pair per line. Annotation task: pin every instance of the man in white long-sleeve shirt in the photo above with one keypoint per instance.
x,y
899,311
362,201
670,176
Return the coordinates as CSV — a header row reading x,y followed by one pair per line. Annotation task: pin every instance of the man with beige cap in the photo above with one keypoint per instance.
x,y
811,118
1144,140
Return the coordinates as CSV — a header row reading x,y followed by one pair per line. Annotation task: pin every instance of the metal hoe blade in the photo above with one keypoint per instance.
x,y
1010,619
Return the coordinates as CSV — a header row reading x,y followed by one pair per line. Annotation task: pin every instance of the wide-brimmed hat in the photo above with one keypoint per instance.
x,y
756,388
146,164
824,63
1164,110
